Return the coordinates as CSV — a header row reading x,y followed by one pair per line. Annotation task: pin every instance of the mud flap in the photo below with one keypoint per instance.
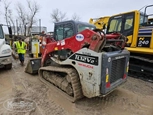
x,y
33,65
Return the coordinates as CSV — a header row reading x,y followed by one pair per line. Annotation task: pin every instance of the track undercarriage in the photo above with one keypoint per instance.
x,y
141,67
63,78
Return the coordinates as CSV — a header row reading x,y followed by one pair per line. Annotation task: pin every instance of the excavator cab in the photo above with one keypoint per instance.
x,y
122,23
131,24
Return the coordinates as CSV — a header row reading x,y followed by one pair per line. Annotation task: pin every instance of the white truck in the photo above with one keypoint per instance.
x,y
5,50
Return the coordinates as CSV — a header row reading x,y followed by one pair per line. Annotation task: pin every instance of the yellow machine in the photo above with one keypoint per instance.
x,y
100,23
138,27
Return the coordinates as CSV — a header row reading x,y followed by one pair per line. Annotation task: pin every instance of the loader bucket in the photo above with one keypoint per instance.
x,y
33,65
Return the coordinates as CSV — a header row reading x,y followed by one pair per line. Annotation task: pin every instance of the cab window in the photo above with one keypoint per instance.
x,y
115,24
128,22
63,31
59,32
68,30
82,27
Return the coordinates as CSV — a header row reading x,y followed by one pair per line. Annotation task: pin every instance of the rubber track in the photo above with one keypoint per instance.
x,y
141,75
142,59
75,81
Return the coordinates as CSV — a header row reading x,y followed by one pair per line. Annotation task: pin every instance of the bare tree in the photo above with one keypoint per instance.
x,y
34,9
6,7
58,16
22,16
27,19
11,20
75,17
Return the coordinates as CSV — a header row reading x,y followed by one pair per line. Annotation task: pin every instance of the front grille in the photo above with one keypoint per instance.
x,y
117,69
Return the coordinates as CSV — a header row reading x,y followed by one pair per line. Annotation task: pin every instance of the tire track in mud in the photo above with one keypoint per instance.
x,y
39,95
117,102
36,91
139,86
121,100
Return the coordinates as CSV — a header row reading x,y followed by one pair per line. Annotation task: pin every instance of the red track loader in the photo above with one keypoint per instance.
x,y
82,61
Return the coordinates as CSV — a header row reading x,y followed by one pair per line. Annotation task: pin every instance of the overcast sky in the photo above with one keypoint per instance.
x,y
85,9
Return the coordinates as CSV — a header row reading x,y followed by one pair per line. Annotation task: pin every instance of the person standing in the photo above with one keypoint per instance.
x,y
21,49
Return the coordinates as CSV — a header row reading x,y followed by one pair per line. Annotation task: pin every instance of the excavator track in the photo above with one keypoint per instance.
x,y
64,79
141,68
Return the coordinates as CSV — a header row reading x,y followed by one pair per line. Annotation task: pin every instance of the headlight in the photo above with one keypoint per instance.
x,y
6,51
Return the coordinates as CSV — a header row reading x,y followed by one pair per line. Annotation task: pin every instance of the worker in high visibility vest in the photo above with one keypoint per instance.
x,y
21,49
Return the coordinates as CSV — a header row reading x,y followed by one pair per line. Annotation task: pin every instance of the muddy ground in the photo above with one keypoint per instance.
x,y
135,97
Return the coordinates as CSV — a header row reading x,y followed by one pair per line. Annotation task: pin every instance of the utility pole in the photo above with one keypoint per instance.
x,y
25,28
39,25
17,27
21,29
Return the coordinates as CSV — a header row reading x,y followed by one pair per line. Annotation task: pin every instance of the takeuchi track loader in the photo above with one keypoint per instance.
x,y
82,61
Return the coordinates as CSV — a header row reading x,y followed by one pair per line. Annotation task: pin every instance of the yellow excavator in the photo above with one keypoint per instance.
x,y
138,27
100,23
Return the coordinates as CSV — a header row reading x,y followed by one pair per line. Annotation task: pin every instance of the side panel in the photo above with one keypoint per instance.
x,y
144,41
88,64
144,37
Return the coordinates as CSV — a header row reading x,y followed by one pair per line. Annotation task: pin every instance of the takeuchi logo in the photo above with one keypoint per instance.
x,y
19,105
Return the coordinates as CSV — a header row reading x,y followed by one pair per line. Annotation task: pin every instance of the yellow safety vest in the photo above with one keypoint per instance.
x,y
20,48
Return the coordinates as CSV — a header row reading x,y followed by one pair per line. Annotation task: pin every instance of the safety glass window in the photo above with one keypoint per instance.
x,y
128,22
143,19
68,30
59,32
82,27
115,25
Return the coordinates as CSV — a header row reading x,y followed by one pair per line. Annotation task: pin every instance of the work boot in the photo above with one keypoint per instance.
x,y
22,63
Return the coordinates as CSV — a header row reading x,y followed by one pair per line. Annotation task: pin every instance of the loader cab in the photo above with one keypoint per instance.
x,y
70,28
67,29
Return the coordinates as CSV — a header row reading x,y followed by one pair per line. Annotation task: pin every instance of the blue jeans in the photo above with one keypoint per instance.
x,y
21,57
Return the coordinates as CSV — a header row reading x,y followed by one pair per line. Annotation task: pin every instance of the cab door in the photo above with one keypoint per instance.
x,y
62,32
128,27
